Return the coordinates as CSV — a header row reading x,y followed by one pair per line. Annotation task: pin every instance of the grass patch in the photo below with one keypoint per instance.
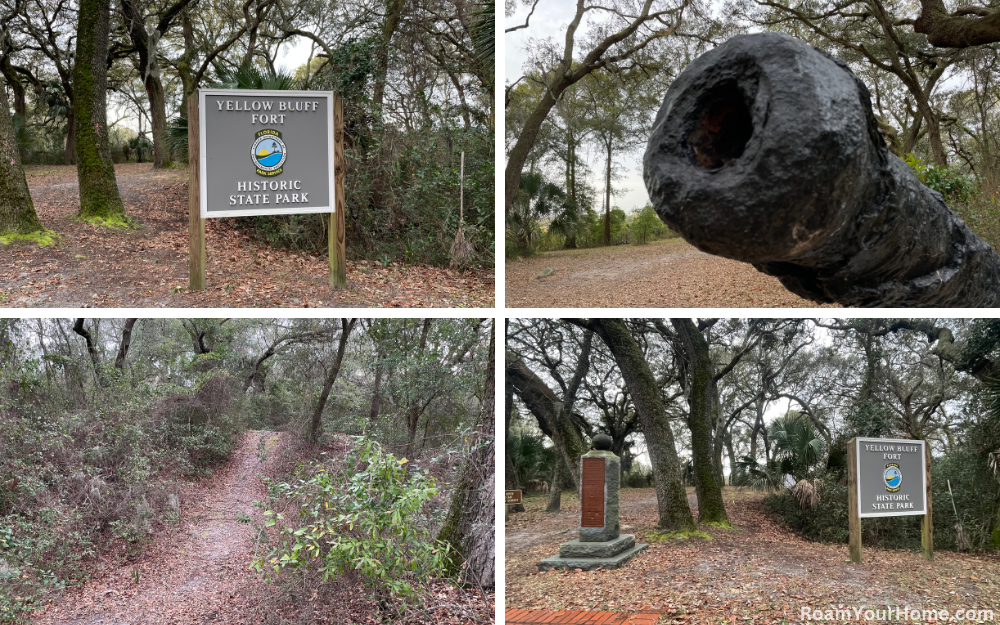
x,y
43,238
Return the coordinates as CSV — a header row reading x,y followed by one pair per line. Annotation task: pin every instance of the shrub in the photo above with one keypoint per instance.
x,y
361,517
953,185
974,489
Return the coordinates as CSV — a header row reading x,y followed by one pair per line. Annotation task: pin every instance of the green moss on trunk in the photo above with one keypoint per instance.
x,y
711,509
99,197
18,219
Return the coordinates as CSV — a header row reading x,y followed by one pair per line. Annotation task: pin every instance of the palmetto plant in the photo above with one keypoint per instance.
x,y
797,444
535,199
530,457
244,77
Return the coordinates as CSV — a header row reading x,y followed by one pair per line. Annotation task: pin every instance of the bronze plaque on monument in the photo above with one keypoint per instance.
x,y
592,508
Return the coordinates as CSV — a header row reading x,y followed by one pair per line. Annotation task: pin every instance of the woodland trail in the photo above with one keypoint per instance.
x,y
202,575
663,274
758,572
147,267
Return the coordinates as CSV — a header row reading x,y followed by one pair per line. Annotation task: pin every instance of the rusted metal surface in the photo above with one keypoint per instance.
x,y
592,509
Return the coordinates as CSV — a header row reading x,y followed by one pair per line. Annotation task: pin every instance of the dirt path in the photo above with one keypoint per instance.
x,y
94,266
757,572
201,576
665,274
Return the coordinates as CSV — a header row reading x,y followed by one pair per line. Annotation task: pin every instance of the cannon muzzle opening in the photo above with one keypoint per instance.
x,y
723,127
766,150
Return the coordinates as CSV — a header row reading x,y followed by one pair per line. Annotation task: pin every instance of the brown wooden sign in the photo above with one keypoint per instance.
x,y
512,497
592,510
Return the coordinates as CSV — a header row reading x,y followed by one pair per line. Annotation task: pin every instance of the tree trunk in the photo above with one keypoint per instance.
x,y
510,474
469,526
99,197
711,508
125,343
555,489
553,420
522,147
394,10
17,212
674,513
376,394
414,412
69,152
316,427
607,199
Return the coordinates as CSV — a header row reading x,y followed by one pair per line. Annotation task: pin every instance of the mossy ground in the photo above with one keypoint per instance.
x,y
43,238
662,537
113,221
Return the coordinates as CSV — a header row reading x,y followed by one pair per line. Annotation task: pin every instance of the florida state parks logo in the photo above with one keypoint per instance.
x,y
268,152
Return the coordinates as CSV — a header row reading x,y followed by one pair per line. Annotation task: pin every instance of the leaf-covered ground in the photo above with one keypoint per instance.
x,y
666,274
94,266
758,572
199,571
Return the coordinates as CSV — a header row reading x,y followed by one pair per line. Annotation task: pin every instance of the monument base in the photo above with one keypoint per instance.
x,y
589,556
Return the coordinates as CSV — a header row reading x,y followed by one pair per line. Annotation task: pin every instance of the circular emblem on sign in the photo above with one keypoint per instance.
x,y
892,476
268,152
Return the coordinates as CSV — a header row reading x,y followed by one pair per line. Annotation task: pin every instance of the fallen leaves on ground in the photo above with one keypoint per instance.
x,y
94,266
665,274
759,572
199,571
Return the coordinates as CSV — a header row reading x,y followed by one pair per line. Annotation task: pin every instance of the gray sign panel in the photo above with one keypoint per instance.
x,y
891,477
266,152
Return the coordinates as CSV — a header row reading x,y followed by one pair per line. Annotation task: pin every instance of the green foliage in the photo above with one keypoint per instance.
x,y
976,495
360,516
530,457
953,185
250,76
177,137
639,476
797,445
759,476
646,225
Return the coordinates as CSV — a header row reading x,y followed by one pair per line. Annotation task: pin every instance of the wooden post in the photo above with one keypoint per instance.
x,y
926,522
338,247
196,225
854,520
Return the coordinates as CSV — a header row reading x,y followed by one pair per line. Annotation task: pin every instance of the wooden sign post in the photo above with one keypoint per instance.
x,y
338,248
245,162
196,224
889,477
511,497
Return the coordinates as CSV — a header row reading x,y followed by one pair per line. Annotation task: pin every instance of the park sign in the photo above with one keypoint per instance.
x,y
888,477
266,152
891,477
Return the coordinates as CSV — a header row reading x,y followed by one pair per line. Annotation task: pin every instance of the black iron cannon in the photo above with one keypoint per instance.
x,y
766,150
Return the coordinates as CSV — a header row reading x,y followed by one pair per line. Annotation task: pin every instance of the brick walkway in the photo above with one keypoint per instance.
x,y
570,617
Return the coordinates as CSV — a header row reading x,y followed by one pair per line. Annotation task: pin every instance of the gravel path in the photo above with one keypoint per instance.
x,y
202,575
663,274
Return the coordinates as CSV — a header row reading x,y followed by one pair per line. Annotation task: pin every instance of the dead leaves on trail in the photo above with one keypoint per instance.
x,y
759,572
95,266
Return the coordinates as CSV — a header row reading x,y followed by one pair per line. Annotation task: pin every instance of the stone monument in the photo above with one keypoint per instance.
x,y
600,545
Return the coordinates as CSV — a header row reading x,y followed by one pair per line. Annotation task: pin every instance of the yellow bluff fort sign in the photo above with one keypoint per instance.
x,y
261,152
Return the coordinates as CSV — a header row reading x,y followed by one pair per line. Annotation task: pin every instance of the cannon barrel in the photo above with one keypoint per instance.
x,y
766,150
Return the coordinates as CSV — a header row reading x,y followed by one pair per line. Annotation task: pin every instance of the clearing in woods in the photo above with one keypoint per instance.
x,y
99,267
759,572
201,572
665,274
